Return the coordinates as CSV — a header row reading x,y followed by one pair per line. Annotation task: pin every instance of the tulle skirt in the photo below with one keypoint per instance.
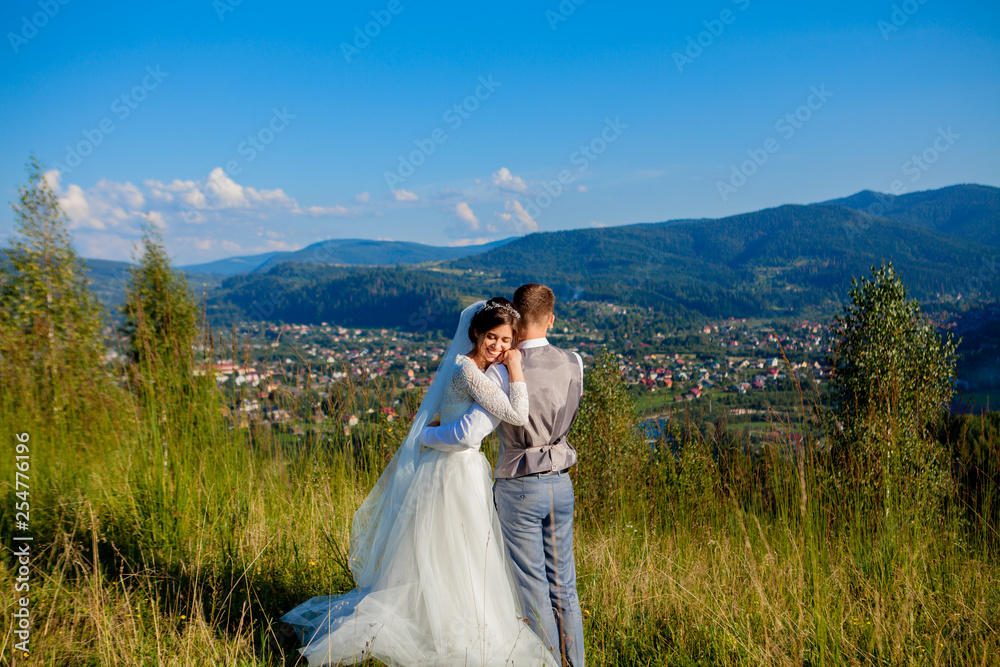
x,y
443,594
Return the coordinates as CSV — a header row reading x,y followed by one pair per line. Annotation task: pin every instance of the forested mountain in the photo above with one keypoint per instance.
x,y
354,252
773,261
790,256
232,266
764,263
970,212
408,298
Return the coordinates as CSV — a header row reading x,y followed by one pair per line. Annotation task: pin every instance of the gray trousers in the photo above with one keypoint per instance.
x,y
536,516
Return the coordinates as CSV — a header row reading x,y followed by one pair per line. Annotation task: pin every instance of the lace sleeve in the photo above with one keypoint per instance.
x,y
513,410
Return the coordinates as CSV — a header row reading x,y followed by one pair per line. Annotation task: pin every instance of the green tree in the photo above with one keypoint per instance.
x,y
892,381
613,465
50,321
161,316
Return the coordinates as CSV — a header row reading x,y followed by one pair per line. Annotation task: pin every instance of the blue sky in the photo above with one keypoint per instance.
x,y
243,127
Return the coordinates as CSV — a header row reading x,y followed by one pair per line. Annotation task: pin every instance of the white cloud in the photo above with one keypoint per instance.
x,y
466,215
157,219
217,199
74,202
518,218
219,193
125,195
52,178
362,197
465,223
404,195
225,192
319,211
106,205
108,215
508,182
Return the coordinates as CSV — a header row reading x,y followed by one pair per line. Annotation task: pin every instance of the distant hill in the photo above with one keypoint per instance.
x,y
414,299
349,252
784,257
775,261
232,266
109,278
970,212
780,260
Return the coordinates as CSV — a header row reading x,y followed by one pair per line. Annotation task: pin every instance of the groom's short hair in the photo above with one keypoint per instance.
x,y
535,303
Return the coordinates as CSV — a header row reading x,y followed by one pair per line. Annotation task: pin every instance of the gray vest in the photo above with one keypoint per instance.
x,y
554,385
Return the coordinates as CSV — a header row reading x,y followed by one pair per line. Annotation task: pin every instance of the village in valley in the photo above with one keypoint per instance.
x,y
745,366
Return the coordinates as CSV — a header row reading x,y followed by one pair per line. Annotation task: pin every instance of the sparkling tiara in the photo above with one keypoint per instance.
x,y
496,305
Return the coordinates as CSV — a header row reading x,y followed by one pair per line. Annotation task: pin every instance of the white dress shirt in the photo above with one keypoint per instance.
x,y
469,431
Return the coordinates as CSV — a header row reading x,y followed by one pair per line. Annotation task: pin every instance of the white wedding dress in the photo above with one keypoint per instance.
x,y
435,586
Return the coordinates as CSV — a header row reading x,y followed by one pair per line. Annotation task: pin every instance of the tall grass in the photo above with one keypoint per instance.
x,y
164,536
718,553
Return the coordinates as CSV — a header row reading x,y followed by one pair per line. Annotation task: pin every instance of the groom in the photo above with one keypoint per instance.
x,y
533,491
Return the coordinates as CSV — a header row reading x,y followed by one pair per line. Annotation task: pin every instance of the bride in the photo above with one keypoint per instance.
x,y
434,583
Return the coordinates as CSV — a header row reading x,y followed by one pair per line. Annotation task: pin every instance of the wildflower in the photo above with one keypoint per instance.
x,y
183,617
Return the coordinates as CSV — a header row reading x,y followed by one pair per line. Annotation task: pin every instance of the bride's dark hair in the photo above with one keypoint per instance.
x,y
494,313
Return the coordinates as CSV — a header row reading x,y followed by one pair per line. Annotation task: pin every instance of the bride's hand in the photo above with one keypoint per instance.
x,y
511,358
